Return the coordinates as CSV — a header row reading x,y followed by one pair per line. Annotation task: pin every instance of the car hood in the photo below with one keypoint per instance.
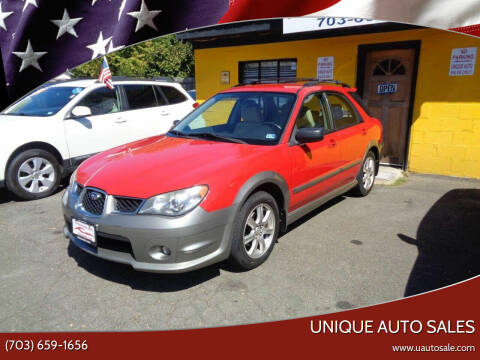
x,y
9,120
161,164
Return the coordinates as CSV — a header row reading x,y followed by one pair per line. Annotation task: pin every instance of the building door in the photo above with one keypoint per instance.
x,y
387,92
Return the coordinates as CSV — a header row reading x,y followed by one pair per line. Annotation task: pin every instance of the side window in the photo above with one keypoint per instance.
x,y
173,95
312,113
343,114
140,96
102,101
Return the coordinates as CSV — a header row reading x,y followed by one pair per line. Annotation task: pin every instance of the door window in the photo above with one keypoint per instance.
x,y
312,113
140,96
343,114
173,95
102,101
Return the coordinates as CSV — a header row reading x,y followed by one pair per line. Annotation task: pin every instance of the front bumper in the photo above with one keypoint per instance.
x,y
196,239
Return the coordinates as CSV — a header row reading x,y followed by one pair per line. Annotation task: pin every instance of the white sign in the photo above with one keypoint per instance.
x,y
390,88
325,67
303,24
463,61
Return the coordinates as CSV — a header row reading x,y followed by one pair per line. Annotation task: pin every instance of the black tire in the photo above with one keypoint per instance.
x,y
239,257
360,189
12,181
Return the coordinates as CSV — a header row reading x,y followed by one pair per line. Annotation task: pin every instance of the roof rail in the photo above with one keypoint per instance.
x,y
329,81
276,80
308,81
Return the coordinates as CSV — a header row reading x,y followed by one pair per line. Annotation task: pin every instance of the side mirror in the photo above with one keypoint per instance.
x,y
308,135
175,122
81,111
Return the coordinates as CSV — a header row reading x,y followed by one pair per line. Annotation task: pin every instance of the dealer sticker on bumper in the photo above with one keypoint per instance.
x,y
84,232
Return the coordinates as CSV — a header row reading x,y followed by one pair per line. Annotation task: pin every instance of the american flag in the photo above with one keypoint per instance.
x,y
40,39
105,76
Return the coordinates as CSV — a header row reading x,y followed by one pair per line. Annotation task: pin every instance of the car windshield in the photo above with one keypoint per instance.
x,y
44,102
245,117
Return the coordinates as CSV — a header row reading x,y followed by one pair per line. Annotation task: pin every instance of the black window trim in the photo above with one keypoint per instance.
x,y
337,93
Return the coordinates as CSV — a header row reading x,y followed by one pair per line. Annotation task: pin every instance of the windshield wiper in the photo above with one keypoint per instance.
x,y
219,137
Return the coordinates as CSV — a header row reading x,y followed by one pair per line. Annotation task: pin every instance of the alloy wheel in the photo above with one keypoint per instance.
x,y
259,230
368,173
36,175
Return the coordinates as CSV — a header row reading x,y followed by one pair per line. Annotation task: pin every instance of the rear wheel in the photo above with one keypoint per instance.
x,y
33,174
366,175
255,231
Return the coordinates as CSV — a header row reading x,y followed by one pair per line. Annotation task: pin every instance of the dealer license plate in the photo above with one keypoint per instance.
x,y
84,231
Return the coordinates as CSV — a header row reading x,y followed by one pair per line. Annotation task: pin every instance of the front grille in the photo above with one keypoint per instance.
x,y
126,205
93,201
114,243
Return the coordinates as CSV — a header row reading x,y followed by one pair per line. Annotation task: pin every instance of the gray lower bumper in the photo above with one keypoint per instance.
x,y
195,240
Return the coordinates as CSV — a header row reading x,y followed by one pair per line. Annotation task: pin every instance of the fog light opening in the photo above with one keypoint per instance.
x,y
160,252
165,250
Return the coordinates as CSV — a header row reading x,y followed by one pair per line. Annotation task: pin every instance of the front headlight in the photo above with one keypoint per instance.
x,y
175,203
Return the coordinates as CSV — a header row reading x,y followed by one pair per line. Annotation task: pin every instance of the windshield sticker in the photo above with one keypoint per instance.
x,y
271,136
76,91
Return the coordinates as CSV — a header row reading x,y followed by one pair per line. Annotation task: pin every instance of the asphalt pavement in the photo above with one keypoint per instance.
x,y
400,240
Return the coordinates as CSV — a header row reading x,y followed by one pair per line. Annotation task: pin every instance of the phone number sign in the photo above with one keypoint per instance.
x,y
462,62
296,25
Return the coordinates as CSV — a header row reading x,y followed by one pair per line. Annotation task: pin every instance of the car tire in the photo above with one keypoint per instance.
x,y
248,248
366,176
33,174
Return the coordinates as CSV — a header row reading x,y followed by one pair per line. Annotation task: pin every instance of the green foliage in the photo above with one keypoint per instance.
x,y
165,56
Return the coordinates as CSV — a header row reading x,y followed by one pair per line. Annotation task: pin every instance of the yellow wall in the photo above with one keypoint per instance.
x,y
445,133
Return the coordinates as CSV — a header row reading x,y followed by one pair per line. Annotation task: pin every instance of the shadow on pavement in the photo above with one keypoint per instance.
x,y
448,241
5,196
314,213
124,274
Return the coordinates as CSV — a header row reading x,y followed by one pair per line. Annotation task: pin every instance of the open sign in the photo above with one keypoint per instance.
x,y
391,88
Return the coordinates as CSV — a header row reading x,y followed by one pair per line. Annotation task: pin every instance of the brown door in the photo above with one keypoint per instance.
x,y
387,92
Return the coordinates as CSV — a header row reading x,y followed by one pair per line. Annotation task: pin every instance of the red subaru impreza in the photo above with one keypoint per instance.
x,y
226,180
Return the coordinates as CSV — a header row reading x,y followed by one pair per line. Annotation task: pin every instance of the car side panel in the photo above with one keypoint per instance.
x,y
48,130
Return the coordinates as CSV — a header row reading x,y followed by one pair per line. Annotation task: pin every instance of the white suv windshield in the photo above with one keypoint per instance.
x,y
44,102
249,117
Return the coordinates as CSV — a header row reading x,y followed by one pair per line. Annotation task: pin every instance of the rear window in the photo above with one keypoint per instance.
x,y
140,96
173,95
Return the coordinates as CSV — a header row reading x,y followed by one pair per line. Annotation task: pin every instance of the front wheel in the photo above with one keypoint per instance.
x,y
255,231
33,174
366,176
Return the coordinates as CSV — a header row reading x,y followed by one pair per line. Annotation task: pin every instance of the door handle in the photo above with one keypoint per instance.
x,y
164,113
364,131
120,121
332,143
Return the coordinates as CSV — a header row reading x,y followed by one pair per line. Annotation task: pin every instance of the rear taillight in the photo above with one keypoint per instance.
x,y
195,105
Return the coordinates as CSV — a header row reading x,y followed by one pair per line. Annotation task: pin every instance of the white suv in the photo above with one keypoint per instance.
x,y
46,134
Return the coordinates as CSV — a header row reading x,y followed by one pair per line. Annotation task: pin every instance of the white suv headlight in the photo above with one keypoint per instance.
x,y
175,203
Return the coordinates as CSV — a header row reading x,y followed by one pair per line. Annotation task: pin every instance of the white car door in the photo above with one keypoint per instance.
x,y
104,129
180,104
148,114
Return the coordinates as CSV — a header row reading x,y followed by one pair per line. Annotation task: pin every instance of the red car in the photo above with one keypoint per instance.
x,y
226,180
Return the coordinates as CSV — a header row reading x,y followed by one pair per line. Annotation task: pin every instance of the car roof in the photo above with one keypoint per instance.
x,y
92,82
287,88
